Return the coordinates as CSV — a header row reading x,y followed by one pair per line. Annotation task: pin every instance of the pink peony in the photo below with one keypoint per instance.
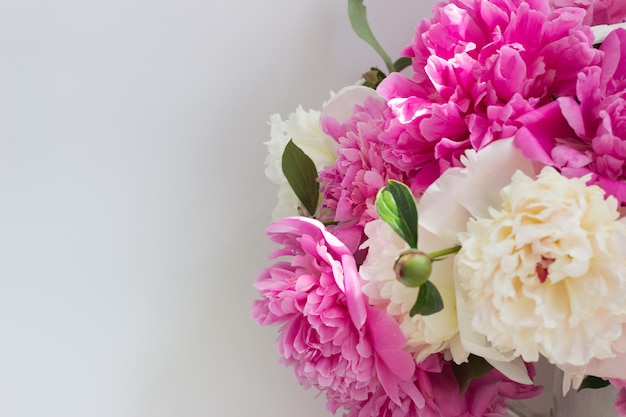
x,y
599,12
586,132
476,70
349,187
486,396
332,338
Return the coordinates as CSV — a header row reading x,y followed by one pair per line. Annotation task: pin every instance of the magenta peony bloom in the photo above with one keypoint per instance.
x,y
349,187
332,338
476,70
599,12
586,133
486,396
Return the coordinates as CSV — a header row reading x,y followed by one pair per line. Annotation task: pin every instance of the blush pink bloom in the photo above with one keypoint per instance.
x,y
487,396
476,70
586,132
328,333
599,12
350,185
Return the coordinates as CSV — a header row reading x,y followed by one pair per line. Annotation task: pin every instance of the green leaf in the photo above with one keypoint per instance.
x,y
428,300
396,206
593,382
402,63
465,372
358,20
301,175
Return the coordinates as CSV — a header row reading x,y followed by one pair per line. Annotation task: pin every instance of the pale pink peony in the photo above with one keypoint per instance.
x,y
586,132
476,70
350,185
332,338
599,12
487,396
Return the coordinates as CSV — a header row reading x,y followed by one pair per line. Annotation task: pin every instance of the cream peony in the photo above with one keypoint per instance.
x,y
545,273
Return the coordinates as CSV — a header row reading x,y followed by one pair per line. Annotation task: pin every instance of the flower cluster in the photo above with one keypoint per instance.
x,y
507,134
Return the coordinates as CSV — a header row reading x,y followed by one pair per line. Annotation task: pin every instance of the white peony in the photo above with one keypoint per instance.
x,y
306,131
444,209
544,273
425,334
305,128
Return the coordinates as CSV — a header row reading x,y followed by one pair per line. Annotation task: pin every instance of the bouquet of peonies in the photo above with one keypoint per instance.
x,y
450,220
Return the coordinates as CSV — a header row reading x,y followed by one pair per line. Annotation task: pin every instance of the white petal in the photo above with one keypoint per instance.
x,y
460,193
600,32
342,104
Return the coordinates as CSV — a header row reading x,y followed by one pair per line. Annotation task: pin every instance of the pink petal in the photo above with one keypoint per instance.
x,y
614,56
536,138
354,295
389,343
571,110
509,73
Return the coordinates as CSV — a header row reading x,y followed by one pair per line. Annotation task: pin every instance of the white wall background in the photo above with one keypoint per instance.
x,y
133,202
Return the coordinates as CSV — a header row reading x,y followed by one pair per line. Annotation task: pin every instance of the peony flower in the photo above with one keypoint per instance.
x,y
303,127
485,396
613,368
350,185
332,338
545,272
599,12
586,134
444,210
476,71
425,334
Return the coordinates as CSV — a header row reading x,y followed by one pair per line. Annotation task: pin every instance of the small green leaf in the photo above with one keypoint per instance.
x,y
402,63
301,175
396,206
465,372
428,301
593,382
358,20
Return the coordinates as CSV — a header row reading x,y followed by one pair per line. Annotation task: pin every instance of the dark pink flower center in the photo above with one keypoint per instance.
x,y
542,268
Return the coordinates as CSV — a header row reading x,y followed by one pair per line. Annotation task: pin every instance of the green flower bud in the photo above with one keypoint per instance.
x,y
413,267
373,77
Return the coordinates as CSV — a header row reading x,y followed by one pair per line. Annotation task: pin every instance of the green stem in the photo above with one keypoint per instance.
x,y
360,25
443,252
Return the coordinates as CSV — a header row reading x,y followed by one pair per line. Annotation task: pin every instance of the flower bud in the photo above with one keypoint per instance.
x,y
373,77
413,267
